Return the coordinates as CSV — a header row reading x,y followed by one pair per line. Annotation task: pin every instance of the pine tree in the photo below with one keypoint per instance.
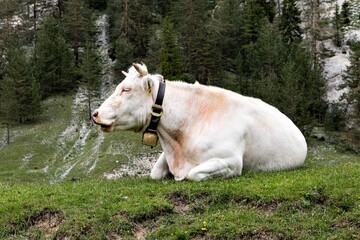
x,y
284,76
124,55
90,72
131,21
153,55
53,62
290,22
9,108
163,7
8,103
226,21
263,62
35,107
337,23
196,40
78,26
345,13
18,90
269,9
254,11
353,77
310,86
171,61
7,10
17,71
312,30
97,4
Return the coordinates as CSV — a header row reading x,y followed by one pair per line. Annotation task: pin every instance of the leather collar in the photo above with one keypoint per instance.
x,y
156,113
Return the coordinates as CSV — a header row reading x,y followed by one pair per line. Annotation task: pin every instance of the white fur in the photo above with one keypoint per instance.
x,y
206,132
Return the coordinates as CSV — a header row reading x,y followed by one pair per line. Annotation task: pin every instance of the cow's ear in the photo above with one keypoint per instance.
x,y
148,84
125,73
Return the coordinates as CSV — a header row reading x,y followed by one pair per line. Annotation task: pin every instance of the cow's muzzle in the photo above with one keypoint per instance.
x,y
104,127
95,114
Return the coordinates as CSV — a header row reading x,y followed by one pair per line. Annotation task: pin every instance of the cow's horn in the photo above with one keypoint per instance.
x,y
142,70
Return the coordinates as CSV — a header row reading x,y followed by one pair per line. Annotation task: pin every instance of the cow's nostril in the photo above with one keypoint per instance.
x,y
95,113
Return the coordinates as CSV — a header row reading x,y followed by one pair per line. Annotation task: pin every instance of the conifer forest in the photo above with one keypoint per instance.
x,y
273,50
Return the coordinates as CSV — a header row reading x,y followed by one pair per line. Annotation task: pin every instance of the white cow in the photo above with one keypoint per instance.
x,y
204,131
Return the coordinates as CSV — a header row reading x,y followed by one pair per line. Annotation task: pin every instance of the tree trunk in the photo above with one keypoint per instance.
x,y
89,105
7,133
314,28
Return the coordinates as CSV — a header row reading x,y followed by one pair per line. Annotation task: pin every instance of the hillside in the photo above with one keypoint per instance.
x,y
61,147
63,144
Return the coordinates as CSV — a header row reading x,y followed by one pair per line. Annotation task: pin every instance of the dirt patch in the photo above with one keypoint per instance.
x,y
140,165
180,203
47,221
343,223
346,223
113,236
316,196
198,203
140,232
266,207
184,203
260,234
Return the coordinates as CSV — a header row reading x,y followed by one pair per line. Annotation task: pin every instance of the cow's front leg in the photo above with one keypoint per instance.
x,y
160,169
216,167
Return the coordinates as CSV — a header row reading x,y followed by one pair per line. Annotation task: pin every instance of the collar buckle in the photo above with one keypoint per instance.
x,y
157,110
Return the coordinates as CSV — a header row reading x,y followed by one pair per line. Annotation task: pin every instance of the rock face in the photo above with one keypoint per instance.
x,y
334,70
336,59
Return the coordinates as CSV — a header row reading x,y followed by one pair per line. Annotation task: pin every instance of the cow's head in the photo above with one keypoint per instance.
x,y
129,107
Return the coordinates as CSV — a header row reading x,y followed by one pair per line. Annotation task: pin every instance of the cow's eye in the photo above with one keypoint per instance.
x,y
125,90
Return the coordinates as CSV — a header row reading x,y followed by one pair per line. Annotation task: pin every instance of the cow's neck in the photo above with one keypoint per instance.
x,y
175,125
178,112
175,112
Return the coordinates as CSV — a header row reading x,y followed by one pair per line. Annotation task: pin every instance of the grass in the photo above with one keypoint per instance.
x,y
318,201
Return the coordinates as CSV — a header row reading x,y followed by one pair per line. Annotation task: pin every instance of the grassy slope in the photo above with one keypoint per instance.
x,y
37,152
318,201
35,142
